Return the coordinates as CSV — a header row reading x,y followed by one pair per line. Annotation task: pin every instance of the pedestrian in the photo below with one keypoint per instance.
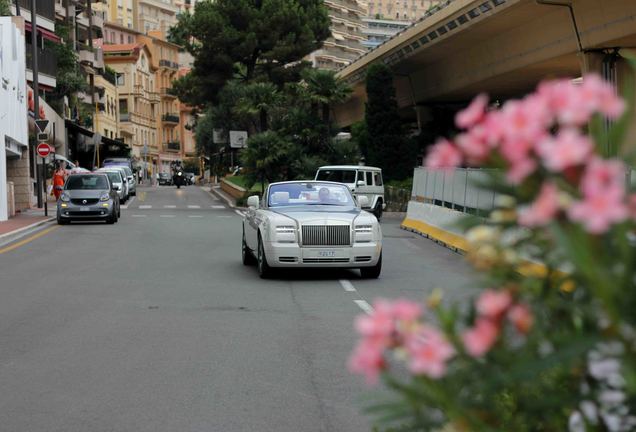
x,y
59,177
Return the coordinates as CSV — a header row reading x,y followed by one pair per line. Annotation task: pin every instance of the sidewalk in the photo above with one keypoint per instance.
x,y
24,221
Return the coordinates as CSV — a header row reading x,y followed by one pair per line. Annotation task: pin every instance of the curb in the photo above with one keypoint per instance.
x,y
26,228
221,196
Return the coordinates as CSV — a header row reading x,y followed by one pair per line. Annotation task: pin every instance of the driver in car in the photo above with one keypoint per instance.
x,y
325,197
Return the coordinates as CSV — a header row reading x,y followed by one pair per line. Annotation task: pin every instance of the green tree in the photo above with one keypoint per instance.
x,y
266,158
257,100
204,139
69,79
5,8
386,143
248,39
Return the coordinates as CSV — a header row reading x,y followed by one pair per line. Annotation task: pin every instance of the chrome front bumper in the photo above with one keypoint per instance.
x,y
292,255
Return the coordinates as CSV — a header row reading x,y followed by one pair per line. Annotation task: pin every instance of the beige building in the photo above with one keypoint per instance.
x,y
118,12
107,121
164,59
345,43
405,10
138,100
154,15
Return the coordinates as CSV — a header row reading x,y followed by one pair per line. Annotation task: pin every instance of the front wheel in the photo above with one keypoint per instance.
x,y
264,270
178,186
372,272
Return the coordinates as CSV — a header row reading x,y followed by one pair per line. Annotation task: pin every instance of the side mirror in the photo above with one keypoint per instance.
x,y
363,201
253,201
361,183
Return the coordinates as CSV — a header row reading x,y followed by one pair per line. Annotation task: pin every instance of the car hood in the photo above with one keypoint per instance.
x,y
320,215
85,193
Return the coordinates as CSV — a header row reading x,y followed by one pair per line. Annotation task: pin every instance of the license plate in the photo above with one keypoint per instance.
x,y
327,254
85,208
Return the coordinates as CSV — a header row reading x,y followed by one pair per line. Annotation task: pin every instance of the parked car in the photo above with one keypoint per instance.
x,y
124,174
190,178
311,224
115,161
88,197
361,180
116,178
132,180
165,179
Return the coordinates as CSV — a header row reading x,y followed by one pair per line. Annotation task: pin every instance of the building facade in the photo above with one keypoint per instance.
x,y
138,101
154,15
404,10
378,31
345,43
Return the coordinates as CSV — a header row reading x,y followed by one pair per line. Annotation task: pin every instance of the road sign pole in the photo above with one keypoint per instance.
x,y
36,88
46,197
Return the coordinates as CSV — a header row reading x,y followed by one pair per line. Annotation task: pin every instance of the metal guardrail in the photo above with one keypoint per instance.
x,y
459,189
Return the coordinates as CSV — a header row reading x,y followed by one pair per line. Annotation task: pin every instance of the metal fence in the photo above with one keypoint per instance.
x,y
459,189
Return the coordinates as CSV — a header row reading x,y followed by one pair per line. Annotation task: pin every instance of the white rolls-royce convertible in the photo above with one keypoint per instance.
x,y
311,224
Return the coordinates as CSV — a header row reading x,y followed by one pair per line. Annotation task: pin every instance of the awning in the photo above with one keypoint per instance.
x,y
89,133
46,34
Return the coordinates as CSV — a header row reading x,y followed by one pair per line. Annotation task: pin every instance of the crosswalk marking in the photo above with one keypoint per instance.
x,y
145,207
195,216
170,206
194,207
167,216
217,207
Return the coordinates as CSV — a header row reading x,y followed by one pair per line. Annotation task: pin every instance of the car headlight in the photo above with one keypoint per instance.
x,y
104,197
285,234
363,233
64,197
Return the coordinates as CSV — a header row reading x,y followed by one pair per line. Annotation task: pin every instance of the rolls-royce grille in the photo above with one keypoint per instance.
x,y
326,235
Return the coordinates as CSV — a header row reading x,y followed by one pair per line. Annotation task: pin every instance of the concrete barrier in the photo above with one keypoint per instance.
x,y
232,190
437,223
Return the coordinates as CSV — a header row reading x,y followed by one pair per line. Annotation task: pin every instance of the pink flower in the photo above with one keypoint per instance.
x,y
429,352
543,209
603,176
474,147
480,339
493,303
406,310
599,212
473,114
601,97
568,148
521,317
566,103
367,359
443,155
517,153
525,120
520,170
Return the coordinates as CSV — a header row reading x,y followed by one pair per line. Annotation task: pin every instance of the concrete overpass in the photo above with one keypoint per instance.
x,y
503,47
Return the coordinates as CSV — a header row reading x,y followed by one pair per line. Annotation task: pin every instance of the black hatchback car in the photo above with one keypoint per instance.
x,y
89,196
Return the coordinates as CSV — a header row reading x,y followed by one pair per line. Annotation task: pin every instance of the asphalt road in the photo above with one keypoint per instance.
x,y
153,324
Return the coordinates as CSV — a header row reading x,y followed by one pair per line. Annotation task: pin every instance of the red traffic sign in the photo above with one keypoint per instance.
x,y
44,150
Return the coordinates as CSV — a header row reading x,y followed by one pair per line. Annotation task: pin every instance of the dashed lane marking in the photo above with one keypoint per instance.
x,y
195,216
224,217
130,201
139,216
167,216
143,207
170,206
366,307
348,286
217,207
194,207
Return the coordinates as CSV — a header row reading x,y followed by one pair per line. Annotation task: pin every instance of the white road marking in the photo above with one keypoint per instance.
x,y
217,207
348,286
143,207
195,216
366,307
139,215
130,201
194,207
240,213
170,206
224,216
167,216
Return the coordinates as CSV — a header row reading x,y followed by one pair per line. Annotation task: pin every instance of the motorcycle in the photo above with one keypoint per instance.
x,y
179,179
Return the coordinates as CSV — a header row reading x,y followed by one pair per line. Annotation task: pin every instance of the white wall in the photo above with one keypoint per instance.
x,y
13,98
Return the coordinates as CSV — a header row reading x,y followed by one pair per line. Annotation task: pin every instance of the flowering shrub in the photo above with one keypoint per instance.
x,y
548,347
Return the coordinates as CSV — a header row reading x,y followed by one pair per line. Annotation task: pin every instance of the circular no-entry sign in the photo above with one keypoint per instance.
x,y
43,149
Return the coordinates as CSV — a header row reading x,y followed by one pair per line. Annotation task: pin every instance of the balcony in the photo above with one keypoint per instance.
x,y
153,97
168,64
124,117
138,90
170,118
168,93
47,61
172,146
44,8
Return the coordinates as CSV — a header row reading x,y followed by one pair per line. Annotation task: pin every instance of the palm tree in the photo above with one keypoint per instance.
x,y
257,100
323,89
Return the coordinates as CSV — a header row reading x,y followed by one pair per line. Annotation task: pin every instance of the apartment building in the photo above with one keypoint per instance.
x,y
345,43
404,10
154,15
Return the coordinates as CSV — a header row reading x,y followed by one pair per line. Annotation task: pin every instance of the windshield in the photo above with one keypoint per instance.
x,y
339,176
87,182
310,193
114,177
